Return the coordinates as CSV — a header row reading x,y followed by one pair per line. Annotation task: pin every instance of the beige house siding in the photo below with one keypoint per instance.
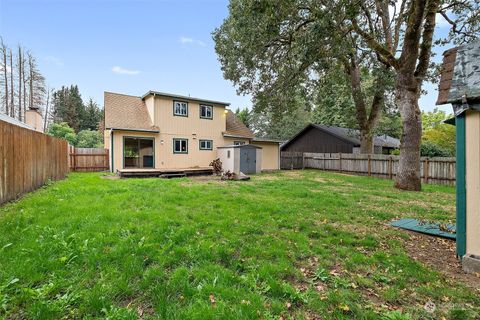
x,y
118,146
230,141
150,104
193,128
270,155
158,111
472,143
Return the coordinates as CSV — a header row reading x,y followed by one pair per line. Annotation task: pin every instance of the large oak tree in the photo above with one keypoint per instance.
x,y
273,49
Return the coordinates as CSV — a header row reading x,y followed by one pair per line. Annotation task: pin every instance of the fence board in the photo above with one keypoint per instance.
x,y
435,170
89,159
28,159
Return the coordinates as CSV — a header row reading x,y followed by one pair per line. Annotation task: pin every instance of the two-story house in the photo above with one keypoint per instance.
x,y
166,131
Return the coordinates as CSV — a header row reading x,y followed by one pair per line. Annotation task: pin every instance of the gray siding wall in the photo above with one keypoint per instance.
x,y
317,141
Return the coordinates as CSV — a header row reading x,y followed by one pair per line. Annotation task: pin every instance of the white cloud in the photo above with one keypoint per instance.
x,y
120,70
55,61
187,40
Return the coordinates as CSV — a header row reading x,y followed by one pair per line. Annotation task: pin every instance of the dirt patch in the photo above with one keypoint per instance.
x,y
110,177
292,174
439,254
265,177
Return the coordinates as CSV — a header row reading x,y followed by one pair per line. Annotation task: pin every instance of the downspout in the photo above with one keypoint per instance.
x,y
111,151
461,221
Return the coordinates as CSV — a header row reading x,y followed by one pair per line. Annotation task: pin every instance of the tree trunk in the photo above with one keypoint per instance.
x,y
12,86
406,97
20,82
5,78
366,142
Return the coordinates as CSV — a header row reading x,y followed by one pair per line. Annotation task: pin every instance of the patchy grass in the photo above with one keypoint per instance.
x,y
302,244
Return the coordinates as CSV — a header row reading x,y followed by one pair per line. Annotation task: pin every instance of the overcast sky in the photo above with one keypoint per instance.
x,y
131,46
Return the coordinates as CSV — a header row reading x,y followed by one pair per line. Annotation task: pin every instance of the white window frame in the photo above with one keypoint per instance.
x,y
183,108
238,143
206,142
207,108
181,142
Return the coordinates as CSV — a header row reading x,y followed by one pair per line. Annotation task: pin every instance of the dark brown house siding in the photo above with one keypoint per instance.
x,y
314,140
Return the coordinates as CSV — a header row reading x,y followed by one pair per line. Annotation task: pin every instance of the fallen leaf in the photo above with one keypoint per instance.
x,y
212,299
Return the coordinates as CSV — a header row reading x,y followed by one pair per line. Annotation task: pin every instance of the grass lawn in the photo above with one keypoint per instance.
x,y
300,244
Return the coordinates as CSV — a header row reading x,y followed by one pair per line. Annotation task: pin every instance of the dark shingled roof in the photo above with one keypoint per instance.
x,y
448,66
350,135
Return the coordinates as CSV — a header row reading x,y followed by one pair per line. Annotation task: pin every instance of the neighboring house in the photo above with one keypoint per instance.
x,y
33,120
460,86
318,138
167,131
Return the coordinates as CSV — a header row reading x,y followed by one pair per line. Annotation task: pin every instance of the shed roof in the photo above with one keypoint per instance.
x,y
126,112
446,75
236,128
460,78
349,135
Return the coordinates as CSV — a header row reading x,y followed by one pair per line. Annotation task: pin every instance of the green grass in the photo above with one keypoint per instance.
x,y
286,245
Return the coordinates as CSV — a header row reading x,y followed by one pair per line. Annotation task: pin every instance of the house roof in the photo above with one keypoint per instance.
x,y
236,128
180,97
126,112
349,135
5,118
460,77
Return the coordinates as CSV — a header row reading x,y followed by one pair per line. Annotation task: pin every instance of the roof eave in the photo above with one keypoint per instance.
x,y
228,135
132,129
177,96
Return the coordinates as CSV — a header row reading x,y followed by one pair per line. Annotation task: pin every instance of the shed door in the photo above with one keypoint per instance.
x,y
248,160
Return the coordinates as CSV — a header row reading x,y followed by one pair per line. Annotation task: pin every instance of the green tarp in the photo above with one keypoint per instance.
x,y
447,231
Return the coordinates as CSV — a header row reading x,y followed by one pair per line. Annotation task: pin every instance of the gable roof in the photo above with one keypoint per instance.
x,y
348,135
180,97
236,128
126,112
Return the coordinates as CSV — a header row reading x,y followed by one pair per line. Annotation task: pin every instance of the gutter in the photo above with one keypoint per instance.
x,y
135,130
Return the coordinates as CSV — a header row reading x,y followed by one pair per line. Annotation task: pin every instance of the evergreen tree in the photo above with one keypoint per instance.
x,y
92,116
68,107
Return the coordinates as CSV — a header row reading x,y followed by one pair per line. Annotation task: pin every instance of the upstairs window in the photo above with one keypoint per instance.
x,y
180,146
238,143
206,112
206,144
180,108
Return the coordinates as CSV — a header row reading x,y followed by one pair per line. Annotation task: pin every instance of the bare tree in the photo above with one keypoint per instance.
x,y
36,84
3,48
20,74
12,85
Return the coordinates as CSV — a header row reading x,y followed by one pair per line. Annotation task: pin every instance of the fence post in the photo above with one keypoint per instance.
x,y
340,162
390,167
425,171
291,161
369,164
74,159
303,160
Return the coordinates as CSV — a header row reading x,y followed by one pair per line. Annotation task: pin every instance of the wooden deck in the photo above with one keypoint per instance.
x,y
164,173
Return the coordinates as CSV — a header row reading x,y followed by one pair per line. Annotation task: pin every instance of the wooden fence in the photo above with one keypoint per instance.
x,y
438,170
28,159
88,159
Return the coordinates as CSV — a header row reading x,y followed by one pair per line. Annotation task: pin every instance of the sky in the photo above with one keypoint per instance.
x,y
131,46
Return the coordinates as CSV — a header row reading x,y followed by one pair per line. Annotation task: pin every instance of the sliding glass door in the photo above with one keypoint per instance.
x,y
138,152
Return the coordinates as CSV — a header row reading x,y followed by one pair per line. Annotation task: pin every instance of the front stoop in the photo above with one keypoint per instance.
x,y
471,263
